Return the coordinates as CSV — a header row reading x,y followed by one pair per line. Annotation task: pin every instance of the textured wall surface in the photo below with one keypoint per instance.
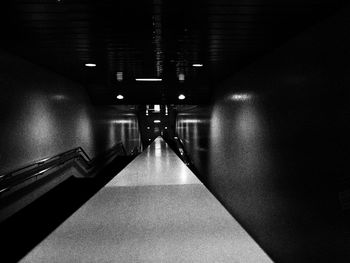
x,y
274,146
43,114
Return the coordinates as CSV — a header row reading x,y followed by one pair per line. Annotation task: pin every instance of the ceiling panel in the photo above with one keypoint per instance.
x,y
152,38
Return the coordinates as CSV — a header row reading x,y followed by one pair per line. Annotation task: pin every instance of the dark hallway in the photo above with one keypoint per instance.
x,y
252,96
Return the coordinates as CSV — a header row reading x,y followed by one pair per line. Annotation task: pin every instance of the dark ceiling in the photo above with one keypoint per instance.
x,y
152,38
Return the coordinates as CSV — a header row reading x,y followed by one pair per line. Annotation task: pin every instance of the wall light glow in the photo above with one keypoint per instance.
x,y
90,65
191,121
241,97
123,121
197,65
59,97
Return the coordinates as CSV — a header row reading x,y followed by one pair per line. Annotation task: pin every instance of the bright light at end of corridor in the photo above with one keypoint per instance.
x,y
119,76
156,108
181,77
120,97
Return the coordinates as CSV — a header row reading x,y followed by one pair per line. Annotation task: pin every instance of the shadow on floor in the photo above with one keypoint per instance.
x,y
23,231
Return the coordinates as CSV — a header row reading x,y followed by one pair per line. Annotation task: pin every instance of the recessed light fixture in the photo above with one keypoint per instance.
x,y
166,128
197,65
149,139
156,121
120,97
148,79
181,97
90,65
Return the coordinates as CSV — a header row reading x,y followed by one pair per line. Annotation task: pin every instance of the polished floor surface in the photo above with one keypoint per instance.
x,y
155,210
158,165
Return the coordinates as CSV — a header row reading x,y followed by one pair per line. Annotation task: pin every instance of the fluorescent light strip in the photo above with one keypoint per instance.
x,y
148,79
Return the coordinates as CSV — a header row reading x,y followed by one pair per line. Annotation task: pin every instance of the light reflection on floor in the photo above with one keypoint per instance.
x,y
158,165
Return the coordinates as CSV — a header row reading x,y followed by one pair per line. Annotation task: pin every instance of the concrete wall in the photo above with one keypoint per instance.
x,y
274,145
43,114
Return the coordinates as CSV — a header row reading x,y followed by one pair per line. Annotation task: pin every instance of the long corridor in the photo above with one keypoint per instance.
x,y
155,210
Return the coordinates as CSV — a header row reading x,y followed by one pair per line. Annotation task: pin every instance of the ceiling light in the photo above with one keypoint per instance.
x,y
90,65
197,65
120,97
149,79
165,127
156,121
181,97
148,128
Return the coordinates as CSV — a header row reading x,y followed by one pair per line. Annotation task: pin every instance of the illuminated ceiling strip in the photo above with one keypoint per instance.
x,y
148,79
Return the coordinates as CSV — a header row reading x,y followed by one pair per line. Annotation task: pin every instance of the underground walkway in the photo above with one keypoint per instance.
x,y
155,210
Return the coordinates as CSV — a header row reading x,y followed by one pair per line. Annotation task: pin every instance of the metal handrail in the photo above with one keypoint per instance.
x,y
43,161
37,168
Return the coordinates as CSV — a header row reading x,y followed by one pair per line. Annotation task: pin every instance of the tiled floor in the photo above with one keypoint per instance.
x,y
155,210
